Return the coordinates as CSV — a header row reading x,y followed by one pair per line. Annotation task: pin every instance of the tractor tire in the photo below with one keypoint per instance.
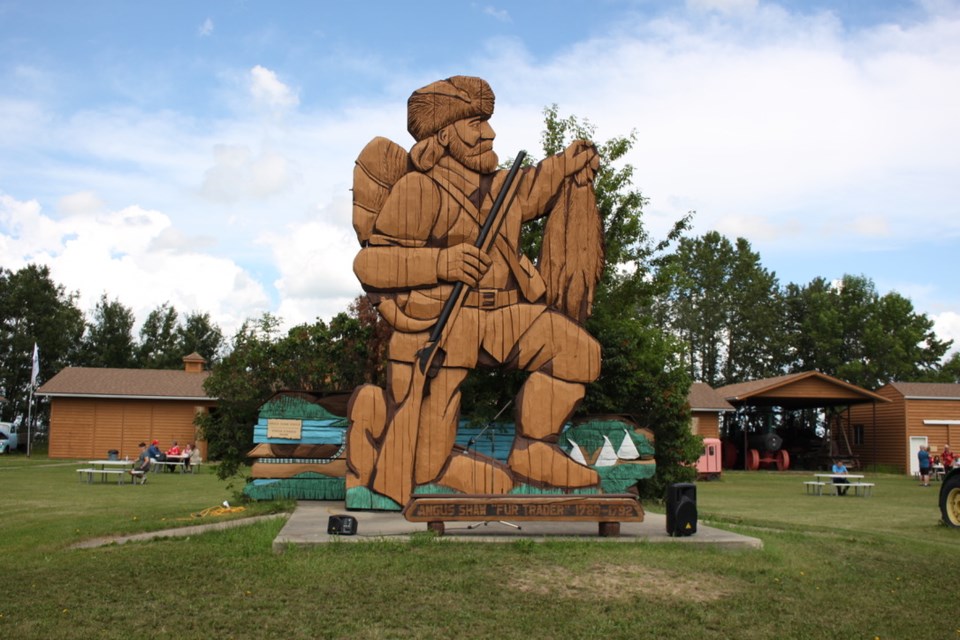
x,y
753,460
950,500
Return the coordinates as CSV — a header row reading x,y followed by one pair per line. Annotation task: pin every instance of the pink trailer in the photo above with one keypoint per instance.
x,y
708,466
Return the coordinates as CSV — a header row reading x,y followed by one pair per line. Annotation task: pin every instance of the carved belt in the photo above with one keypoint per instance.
x,y
491,298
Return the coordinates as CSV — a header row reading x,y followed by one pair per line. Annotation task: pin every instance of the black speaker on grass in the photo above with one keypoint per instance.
x,y
342,525
682,509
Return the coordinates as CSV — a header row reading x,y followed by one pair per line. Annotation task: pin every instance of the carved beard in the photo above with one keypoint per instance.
x,y
480,158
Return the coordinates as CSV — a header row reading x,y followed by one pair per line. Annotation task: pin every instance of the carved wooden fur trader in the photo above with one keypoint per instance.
x,y
418,216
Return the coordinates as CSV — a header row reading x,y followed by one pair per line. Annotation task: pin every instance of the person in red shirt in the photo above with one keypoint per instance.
x,y
947,458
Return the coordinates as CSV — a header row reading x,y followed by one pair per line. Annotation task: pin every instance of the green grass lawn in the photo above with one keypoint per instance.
x,y
830,568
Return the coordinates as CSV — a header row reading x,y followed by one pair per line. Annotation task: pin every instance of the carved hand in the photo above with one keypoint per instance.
x,y
582,161
463,262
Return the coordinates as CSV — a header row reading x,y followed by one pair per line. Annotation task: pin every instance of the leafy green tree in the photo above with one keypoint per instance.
x,y
241,382
108,341
724,308
159,345
641,373
756,341
34,310
949,372
198,333
847,330
315,357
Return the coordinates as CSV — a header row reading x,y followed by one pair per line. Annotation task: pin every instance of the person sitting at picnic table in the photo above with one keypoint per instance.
x,y
187,454
839,467
174,449
154,451
923,458
143,460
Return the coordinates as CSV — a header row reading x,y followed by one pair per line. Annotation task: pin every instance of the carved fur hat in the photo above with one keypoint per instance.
x,y
441,103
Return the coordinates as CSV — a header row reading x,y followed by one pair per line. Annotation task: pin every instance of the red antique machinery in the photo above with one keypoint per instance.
x,y
766,450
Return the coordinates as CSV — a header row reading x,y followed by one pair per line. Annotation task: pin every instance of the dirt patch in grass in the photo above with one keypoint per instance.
x,y
619,582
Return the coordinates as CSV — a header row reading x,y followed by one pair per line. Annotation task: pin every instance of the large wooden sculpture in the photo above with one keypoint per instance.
x,y
458,301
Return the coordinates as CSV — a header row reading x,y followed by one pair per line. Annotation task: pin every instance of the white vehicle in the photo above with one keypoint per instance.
x,y
8,437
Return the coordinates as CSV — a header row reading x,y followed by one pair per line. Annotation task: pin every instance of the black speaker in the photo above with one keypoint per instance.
x,y
682,509
342,525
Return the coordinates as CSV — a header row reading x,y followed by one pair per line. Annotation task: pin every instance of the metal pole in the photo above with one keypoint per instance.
x,y
30,420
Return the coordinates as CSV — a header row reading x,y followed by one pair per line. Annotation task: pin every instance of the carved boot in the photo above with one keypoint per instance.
x,y
474,473
545,463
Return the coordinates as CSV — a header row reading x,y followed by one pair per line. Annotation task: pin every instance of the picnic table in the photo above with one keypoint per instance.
x,y
106,469
854,481
175,463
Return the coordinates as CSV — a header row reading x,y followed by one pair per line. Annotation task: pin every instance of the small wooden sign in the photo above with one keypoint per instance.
x,y
584,508
283,428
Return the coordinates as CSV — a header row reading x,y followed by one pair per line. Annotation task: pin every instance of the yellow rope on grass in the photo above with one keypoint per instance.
x,y
219,510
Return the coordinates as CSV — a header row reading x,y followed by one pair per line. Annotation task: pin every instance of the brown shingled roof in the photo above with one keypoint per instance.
x,y
928,390
126,383
703,397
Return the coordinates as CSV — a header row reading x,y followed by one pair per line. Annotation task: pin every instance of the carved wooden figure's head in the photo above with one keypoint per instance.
x,y
453,115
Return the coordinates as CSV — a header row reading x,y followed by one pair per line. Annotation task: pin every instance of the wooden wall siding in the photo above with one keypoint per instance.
x,y
71,428
884,444
813,388
898,421
82,428
708,424
937,434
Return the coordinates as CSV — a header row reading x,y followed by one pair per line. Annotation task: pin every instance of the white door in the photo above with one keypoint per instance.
x,y
915,443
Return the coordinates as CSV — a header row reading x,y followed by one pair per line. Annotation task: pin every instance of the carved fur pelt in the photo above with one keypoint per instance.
x,y
571,256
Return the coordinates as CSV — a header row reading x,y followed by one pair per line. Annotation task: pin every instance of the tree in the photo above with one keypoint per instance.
x,y
200,334
34,310
641,373
724,308
109,338
241,382
310,357
159,345
847,330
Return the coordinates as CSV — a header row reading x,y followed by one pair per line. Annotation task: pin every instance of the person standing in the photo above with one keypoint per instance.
x,y
923,457
948,458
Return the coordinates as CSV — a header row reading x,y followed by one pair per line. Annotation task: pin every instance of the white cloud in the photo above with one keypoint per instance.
x,y
947,327
770,115
117,252
237,174
315,261
267,89
723,6
206,28
498,14
79,204
794,131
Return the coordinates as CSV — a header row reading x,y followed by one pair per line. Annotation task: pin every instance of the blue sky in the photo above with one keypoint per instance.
x,y
201,152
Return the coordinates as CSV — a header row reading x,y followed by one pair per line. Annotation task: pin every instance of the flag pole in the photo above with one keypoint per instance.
x,y
29,420
34,372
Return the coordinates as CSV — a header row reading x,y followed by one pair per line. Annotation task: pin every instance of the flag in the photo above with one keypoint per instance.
x,y
35,371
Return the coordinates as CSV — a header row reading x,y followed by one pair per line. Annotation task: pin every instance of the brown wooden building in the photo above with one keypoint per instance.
x,y
918,414
96,410
817,391
706,406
